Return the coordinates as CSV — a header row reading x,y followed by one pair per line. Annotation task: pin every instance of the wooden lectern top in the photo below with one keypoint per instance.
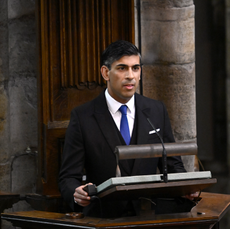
x,y
210,209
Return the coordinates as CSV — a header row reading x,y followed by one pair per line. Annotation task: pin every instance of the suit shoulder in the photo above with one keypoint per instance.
x,y
89,107
84,109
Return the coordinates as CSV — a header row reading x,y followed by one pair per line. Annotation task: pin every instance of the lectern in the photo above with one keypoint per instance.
x,y
158,185
205,213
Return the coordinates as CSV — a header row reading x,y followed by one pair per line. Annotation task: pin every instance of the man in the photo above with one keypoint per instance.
x,y
94,132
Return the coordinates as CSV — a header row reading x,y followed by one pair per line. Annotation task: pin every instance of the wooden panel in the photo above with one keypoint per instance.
x,y
98,27
72,35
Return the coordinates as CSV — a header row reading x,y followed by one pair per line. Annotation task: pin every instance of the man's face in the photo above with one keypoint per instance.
x,y
123,77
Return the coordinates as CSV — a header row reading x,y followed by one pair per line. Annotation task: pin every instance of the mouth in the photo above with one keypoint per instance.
x,y
129,86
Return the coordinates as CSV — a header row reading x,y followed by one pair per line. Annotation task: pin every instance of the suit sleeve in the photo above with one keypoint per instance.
x,y
174,164
73,157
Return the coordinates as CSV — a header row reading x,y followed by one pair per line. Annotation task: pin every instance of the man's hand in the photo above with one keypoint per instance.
x,y
192,196
81,197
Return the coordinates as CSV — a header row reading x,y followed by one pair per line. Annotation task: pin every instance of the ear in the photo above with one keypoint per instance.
x,y
105,72
140,74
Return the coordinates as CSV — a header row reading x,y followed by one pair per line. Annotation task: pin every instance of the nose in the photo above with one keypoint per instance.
x,y
130,74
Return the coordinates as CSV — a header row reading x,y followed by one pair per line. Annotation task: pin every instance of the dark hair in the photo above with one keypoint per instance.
x,y
116,50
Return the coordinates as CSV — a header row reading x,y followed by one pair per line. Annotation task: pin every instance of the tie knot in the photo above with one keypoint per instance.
x,y
123,109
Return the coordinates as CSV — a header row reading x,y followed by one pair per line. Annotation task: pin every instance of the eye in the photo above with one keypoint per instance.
x,y
136,68
121,68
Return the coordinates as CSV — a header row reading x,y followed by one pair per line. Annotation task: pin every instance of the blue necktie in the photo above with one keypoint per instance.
x,y
124,126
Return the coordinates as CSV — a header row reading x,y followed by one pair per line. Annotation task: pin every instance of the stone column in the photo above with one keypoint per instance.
x,y
18,95
168,50
18,100
4,100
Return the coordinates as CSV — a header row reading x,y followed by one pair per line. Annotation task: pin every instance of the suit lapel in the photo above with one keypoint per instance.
x,y
106,123
108,127
143,127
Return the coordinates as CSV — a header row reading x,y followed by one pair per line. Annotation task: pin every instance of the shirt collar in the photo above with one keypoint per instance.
x,y
114,105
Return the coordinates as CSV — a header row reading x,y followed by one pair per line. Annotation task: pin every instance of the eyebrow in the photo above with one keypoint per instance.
x,y
125,65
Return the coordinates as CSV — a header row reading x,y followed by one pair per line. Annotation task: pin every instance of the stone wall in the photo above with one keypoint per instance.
x,y
4,100
18,97
211,31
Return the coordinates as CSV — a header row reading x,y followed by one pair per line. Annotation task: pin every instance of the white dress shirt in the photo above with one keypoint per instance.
x,y
114,106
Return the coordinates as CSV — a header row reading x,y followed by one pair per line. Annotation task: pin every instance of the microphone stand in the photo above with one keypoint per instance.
x,y
164,154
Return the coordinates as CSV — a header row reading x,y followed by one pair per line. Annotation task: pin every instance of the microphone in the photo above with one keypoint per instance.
x,y
164,154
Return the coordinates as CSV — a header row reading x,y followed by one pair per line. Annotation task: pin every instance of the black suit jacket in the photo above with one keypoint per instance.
x,y
92,136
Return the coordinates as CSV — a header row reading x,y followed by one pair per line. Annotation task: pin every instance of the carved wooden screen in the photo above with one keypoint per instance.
x,y
72,35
